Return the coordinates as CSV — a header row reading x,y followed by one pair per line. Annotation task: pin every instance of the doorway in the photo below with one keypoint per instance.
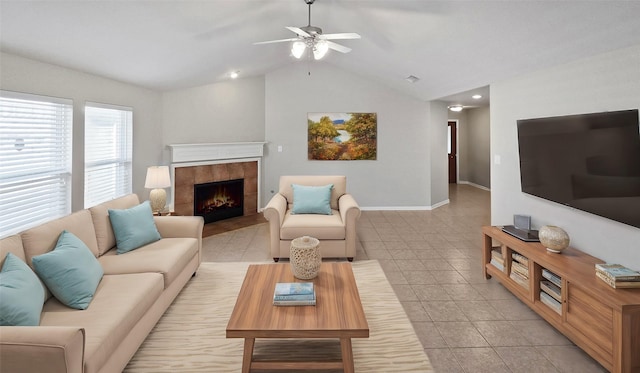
x,y
452,148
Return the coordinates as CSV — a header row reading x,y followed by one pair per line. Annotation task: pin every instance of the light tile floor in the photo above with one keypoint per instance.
x,y
432,259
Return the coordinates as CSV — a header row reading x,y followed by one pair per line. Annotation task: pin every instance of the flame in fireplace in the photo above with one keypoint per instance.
x,y
219,200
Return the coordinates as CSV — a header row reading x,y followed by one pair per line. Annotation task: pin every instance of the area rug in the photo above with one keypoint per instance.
x,y
190,337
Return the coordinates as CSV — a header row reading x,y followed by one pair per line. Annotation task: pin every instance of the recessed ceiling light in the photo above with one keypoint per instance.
x,y
476,97
234,74
455,107
412,79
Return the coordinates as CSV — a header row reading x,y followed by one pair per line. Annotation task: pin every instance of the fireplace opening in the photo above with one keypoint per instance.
x,y
218,200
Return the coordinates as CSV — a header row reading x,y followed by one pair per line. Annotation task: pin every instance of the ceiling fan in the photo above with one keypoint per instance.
x,y
312,39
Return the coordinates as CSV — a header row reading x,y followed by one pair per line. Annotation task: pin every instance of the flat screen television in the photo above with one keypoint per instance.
x,y
590,162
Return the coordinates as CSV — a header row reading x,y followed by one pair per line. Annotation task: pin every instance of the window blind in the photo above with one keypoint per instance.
x,y
35,160
107,152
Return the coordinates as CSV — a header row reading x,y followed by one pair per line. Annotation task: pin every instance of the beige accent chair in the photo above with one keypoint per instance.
x,y
336,232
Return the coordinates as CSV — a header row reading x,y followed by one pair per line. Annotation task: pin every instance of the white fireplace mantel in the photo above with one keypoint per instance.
x,y
215,151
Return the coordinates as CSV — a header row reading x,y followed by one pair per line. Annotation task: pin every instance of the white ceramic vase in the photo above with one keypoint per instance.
x,y
305,258
555,239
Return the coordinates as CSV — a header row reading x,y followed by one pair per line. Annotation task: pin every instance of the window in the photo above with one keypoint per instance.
x,y
107,152
35,160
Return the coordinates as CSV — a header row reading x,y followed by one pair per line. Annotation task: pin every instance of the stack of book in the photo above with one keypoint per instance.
x,y
550,295
496,258
294,294
520,269
550,290
618,276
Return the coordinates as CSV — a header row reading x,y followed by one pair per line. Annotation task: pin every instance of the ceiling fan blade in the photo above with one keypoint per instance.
x,y
275,41
298,31
344,35
338,47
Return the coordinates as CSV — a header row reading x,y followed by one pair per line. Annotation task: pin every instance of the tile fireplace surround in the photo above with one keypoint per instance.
x,y
203,163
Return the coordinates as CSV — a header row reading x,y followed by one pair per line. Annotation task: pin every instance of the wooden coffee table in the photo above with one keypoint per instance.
x,y
337,314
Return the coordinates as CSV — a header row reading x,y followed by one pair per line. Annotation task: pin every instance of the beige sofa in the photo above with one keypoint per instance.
x,y
336,232
136,289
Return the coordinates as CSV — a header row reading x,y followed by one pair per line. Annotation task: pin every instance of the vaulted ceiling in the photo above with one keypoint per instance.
x,y
452,46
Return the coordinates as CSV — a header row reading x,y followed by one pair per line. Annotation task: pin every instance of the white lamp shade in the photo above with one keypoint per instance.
x,y
157,177
297,49
320,49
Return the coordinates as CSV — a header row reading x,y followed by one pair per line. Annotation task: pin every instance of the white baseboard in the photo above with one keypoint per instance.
x,y
474,185
404,208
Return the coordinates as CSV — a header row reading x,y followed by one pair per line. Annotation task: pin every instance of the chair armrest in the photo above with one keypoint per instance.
x,y
54,349
276,209
349,212
349,209
274,212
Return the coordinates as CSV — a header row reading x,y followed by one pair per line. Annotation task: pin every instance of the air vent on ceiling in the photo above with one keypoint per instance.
x,y
412,79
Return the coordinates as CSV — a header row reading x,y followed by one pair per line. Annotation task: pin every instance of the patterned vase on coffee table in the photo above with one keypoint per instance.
x,y
305,258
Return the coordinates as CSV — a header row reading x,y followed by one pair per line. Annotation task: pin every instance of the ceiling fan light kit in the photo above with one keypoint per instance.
x,y
297,49
310,38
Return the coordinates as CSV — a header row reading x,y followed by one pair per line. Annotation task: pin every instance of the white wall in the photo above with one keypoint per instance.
x,y
231,111
438,172
478,140
601,83
30,76
399,178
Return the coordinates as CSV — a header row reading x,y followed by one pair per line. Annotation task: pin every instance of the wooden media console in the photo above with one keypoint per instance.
x,y
565,291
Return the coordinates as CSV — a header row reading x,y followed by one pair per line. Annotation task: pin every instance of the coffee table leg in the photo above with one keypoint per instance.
x,y
347,355
248,354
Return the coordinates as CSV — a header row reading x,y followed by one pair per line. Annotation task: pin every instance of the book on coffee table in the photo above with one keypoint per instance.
x,y
296,302
294,294
293,288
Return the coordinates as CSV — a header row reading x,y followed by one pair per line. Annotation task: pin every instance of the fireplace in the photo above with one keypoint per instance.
x,y
218,200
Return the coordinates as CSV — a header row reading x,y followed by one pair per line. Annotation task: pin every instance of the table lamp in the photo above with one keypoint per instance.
x,y
157,180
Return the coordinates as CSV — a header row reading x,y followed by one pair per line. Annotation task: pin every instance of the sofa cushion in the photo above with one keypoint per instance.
x,y
70,271
327,227
169,257
311,199
119,303
133,227
21,294
13,245
43,238
100,214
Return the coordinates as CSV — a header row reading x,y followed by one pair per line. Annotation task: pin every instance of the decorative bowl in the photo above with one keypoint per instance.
x,y
555,239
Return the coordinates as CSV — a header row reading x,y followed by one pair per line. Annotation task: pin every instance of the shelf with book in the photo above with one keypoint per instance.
x,y
519,269
497,258
565,290
551,290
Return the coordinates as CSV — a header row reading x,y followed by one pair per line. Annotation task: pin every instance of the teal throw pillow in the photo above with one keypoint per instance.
x,y
71,271
311,199
133,227
21,294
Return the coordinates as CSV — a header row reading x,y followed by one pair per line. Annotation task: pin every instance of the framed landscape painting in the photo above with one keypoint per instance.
x,y
342,136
